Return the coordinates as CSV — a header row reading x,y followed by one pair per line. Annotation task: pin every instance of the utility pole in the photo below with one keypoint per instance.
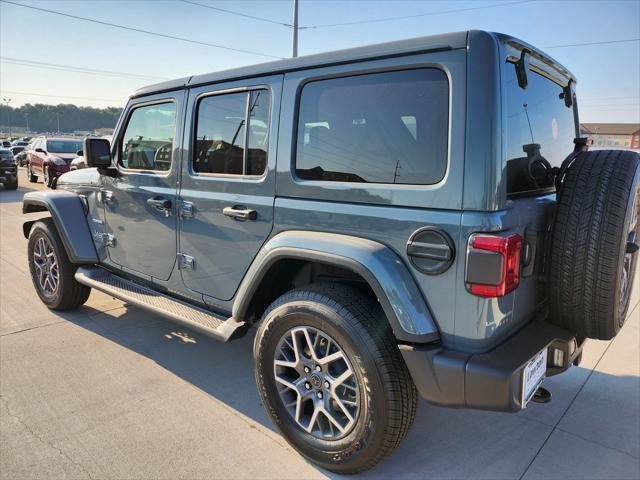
x,y
26,117
295,28
58,117
8,101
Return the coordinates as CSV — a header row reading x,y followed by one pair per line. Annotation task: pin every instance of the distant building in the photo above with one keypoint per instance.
x,y
102,132
613,135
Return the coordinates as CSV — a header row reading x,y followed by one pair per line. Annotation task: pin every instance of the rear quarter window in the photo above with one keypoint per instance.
x,y
537,123
389,127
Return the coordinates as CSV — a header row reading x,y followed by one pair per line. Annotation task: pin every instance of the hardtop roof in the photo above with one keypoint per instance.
x,y
430,43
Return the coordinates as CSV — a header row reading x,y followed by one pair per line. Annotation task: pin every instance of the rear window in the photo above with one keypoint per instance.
x,y
538,123
386,127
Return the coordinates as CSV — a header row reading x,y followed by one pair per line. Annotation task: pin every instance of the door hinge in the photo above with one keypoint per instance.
x,y
106,239
185,209
186,261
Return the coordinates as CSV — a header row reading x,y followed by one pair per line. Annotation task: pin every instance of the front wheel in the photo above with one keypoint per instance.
x,y
332,378
32,177
52,272
48,179
13,185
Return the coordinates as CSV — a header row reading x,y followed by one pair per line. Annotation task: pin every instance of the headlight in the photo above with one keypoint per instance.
x,y
58,161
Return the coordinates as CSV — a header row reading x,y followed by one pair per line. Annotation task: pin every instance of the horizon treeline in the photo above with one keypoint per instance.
x,y
42,117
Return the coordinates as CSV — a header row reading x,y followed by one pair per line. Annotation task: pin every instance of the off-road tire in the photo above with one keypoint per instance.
x,y
32,177
388,396
589,241
70,294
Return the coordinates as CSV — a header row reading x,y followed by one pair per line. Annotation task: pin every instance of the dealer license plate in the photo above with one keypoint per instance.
x,y
534,374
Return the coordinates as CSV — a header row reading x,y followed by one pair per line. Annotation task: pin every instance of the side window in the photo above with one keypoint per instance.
x,y
223,143
147,143
389,127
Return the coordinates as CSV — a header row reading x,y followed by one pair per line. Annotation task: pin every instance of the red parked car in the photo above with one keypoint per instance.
x,y
50,157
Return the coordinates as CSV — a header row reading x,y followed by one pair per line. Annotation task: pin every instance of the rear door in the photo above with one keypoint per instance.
x,y
227,189
140,201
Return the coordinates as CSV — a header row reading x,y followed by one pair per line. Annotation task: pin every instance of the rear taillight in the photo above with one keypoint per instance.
x,y
493,265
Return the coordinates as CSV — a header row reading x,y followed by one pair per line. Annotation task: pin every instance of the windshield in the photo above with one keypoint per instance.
x,y
538,124
63,146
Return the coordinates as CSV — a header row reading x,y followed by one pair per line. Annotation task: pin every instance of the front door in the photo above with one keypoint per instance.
x,y
140,201
228,186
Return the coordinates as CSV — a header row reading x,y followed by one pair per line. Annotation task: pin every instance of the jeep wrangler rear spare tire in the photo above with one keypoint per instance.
x,y
52,272
331,377
594,242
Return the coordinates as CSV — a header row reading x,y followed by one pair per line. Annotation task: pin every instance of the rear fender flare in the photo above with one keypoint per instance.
x,y
386,274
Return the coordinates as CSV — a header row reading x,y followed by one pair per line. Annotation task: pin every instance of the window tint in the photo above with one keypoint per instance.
x,y
222,136
538,124
384,128
147,143
63,146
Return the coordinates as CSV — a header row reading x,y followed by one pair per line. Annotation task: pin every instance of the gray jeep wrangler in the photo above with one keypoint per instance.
x,y
412,218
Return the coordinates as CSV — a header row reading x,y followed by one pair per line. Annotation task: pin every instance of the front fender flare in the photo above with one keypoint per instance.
x,y
69,217
389,278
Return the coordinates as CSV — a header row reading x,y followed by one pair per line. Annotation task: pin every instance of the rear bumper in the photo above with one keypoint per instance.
x,y
491,380
8,174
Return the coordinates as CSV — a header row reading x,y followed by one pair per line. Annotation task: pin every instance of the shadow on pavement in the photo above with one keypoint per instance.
x,y
451,443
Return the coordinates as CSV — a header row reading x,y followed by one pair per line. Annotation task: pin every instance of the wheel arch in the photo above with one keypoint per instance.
x,y
372,265
69,217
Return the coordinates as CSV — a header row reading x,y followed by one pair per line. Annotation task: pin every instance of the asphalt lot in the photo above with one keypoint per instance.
x,y
110,391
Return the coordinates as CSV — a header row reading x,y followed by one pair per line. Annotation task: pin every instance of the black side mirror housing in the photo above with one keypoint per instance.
x,y
40,150
97,152
79,153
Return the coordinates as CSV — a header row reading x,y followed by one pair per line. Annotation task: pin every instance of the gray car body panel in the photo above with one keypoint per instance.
x,y
70,219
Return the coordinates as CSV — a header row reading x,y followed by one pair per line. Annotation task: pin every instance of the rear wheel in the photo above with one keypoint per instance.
x,y
51,271
594,243
332,378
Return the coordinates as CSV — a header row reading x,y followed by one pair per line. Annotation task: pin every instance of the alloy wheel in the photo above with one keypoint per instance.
x,y
46,266
316,382
631,250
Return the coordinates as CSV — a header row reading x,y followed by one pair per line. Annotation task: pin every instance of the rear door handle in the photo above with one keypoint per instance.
x,y
239,212
161,204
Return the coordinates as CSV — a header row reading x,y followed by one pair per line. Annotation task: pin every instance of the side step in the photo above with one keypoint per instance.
x,y
175,310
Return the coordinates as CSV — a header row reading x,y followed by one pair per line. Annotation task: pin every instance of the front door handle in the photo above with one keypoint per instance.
x,y
240,212
161,204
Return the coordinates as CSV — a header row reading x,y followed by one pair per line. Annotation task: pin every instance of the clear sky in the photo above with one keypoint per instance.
x,y
608,74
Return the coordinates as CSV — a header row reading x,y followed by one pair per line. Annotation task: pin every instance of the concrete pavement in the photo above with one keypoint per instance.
x,y
110,391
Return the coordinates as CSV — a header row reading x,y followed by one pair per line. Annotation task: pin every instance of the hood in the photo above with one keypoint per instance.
x,y
67,157
82,177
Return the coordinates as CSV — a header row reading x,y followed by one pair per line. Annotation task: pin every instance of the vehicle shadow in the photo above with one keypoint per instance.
x,y
443,443
15,196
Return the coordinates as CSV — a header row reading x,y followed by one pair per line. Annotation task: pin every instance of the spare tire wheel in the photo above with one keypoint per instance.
x,y
594,243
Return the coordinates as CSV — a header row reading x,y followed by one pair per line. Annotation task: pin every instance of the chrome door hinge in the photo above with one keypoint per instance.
x,y
185,209
186,261
106,239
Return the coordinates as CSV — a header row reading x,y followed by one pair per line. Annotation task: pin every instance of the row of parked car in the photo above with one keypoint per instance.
x,y
45,157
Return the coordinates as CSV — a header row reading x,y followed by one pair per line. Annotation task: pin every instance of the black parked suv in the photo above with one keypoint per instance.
x,y
411,218
8,169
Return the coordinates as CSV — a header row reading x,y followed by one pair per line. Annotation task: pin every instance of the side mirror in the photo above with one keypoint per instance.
x,y
40,150
98,152
79,153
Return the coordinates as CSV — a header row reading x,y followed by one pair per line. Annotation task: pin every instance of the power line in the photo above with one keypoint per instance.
x,y
61,96
606,42
71,68
388,19
231,12
133,29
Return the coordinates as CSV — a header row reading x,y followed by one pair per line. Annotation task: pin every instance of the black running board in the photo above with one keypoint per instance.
x,y
170,308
